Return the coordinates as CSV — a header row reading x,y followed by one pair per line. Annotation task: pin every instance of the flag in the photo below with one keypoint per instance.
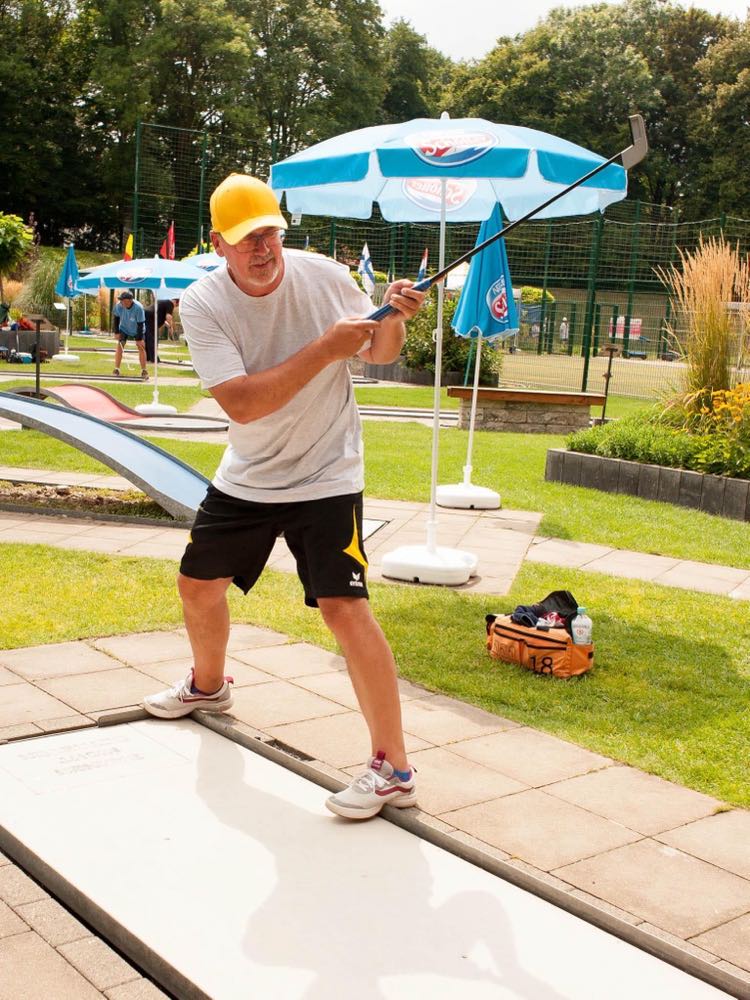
x,y
365,270
166,250
422,273
128,252
66,282
307,243
486,306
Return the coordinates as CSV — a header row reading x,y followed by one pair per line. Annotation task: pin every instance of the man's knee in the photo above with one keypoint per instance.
x,y
344,612
198,593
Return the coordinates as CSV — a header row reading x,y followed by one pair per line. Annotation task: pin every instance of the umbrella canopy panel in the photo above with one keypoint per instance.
x,y
401,168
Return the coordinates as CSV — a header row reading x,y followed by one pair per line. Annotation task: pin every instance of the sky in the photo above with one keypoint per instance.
x,y
467,29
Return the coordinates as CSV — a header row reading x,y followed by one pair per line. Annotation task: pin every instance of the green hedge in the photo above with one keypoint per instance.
x,y
649,438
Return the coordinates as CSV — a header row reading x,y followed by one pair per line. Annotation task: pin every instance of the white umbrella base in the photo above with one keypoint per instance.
x,y
72,359
421,564
466,496
156,409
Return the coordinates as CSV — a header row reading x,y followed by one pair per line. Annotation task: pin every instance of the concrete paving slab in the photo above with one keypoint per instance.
x,y
340,740
89,693
58,659
540,829
145,647
703,577
32,969
19,732
734,970
169,671
24,704
138,989
439,720
632,565
730,941
243,636
667,888
686,946
295,659
561,553
95,960
6,677
297,873
741,593
16,887
642,802
447,782
10,922
722,840
30,536
531,757
279,703
67,722
53,922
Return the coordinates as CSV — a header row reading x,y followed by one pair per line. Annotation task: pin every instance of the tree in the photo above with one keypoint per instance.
x,y
407,71
722,130
16,239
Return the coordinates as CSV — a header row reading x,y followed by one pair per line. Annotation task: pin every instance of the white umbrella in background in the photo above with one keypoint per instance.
x,y
165,278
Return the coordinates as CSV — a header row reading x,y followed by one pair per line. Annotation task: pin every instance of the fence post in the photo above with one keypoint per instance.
x,y
543,313
634,248
138,133
405,251
332,239
664,332
572,326
202,192
392,252
588,319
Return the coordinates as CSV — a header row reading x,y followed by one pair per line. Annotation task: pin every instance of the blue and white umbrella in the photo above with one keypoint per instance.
x,y
154,273
206,261
485,311
67,288
457,170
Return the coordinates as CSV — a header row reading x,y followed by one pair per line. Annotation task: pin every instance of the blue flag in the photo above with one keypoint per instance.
x,y
365,270
486,305
66,283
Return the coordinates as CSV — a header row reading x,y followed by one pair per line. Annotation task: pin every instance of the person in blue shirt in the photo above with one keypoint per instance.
x,y
130,324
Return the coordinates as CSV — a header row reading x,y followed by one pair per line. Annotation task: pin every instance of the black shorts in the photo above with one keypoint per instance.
x,y
125,337
234,538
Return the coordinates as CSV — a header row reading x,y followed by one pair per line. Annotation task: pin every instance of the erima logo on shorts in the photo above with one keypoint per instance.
x,y
356,580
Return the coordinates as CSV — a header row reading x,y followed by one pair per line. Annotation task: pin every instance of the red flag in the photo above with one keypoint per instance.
x,y
166,250
128,253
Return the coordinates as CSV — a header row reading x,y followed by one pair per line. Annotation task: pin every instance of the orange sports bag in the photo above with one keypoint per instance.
x,y
550,651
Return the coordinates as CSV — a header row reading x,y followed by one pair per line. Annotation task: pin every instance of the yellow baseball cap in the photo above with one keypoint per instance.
x,y
241,204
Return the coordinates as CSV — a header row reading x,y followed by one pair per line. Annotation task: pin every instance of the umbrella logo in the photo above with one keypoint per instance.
x,y
451,148
130,276
425,192
497,299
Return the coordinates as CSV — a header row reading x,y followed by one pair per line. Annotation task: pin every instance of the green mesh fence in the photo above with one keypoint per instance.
x,y
596,284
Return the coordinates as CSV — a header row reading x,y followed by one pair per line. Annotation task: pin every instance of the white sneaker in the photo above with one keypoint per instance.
x,y
181,700
369,792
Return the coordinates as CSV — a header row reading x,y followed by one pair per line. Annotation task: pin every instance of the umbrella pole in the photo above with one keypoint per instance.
x,y
432,521
467,467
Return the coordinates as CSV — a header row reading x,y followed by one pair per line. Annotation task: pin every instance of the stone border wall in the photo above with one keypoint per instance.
x,y
700,491
526,411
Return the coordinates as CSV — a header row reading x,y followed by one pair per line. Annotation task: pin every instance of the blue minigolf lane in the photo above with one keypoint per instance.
x,y
174,485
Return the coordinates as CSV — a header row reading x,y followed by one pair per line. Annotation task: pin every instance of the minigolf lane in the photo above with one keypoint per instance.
x,y
223,875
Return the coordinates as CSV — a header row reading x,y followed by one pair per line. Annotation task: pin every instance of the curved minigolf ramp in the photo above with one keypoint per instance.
x,y
174,485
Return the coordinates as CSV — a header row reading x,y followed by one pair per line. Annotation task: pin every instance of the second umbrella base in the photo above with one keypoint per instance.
x,y
466,496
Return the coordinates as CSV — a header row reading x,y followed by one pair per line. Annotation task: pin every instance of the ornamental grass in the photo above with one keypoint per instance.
x,y
710,292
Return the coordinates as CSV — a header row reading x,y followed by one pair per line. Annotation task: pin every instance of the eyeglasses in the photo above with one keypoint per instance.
x,y
253,242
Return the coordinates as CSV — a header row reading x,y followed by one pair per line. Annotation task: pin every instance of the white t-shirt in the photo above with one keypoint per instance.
x,y
311,447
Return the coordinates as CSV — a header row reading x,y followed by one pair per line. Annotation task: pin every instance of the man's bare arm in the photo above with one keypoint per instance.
x,y
389,339
250,397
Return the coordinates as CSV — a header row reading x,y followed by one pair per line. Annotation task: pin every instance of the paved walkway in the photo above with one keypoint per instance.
x,y
669,860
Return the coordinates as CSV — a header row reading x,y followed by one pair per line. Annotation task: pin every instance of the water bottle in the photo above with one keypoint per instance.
x,y
581,626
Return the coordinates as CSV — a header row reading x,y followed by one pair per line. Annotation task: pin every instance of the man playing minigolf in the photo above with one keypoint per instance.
x,y
270,336
130,324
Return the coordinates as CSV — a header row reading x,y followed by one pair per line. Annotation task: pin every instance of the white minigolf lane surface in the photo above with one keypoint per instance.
x,y
230,869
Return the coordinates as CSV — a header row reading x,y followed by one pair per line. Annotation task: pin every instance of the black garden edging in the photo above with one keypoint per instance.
x,y
713,494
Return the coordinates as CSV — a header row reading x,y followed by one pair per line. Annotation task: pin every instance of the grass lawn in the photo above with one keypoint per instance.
x,y
398,468
668,694
421,396
94,363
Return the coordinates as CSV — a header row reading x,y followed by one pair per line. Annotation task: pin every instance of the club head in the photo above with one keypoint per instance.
x,y
639,148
